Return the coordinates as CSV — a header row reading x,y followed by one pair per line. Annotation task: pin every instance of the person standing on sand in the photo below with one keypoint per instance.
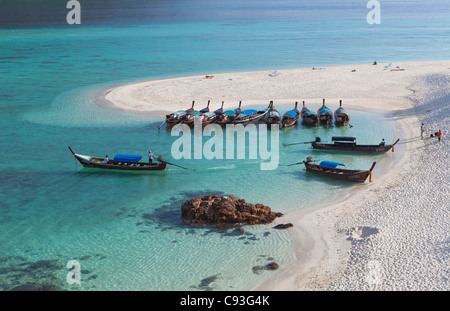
x,y
422,130
439,135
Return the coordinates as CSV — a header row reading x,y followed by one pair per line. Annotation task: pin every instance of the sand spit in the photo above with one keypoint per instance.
x,y
392,236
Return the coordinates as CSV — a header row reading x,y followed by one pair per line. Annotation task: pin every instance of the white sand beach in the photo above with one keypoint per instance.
x,y
391,236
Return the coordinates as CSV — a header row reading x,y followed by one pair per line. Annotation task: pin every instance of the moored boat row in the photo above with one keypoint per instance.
x,y
270,116
324,115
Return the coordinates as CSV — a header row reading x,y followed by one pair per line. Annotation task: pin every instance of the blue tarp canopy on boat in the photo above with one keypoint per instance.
x,y
180,112
249,112
309,113
324,110
209,114
127,158
330,164
230,112
340,110
292,113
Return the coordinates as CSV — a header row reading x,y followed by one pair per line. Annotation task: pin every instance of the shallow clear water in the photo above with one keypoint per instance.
x,y
125,229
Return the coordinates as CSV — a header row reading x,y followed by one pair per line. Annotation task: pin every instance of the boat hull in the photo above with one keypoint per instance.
x,y
325,118
94,162
253,118
128,166
349,175
311,121
341,119
273,117
352,147
287,122
308,117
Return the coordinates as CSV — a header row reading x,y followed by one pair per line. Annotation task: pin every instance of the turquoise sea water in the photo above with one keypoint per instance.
x,y
125,229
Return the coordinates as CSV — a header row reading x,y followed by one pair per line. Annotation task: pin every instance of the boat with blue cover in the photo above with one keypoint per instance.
x,y
341,117
342,143
206,109
273,116
290,117
228,116
178,116
333,170
189,118
325,115
250,115
309,117
208,118
219,111
120,162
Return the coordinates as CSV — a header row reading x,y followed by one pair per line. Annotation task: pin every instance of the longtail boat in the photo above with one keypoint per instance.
x,y
330,169
206,109
120,162
208,118
325,115
290,117
273,116
309,117
189,117
178,116
219,111
341,117
228,116
249,115
349,144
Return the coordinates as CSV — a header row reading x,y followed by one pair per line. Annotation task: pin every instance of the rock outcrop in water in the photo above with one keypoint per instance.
x,y
225,210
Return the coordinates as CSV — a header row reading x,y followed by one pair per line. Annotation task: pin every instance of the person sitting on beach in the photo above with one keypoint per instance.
x,y
439,135
106,159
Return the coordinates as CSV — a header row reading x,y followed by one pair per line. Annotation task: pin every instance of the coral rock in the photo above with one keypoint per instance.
x,y
226,210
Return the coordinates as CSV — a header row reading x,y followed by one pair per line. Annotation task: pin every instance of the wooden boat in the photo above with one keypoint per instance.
x,y
325,115
273,116
290,117
178,116
249,115
309,117
228,116
349,144
120,162
341,117
329,169
189,117
219,111
208,118
206,109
